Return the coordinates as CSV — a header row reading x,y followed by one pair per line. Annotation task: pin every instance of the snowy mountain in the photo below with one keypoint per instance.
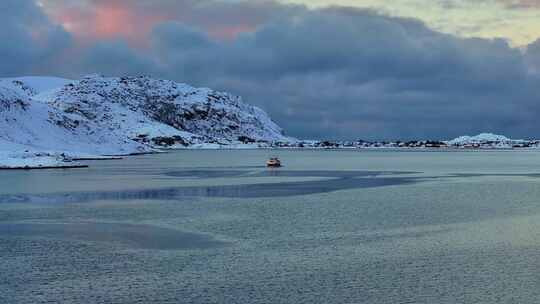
x,y
113,116
39,83
136,104
481,139
27,124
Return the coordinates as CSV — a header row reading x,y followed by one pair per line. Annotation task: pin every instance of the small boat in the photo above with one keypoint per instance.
x,y
273,162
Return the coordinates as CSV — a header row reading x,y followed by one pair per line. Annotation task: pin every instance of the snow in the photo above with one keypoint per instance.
x,y
30,160
34,126
228,146
481,138
98,116
42,83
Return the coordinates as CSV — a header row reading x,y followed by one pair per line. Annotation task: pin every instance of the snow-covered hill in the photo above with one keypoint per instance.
x,y
40,83
482,138
112,116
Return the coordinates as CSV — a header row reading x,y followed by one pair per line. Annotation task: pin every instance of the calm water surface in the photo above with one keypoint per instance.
x,y
330,227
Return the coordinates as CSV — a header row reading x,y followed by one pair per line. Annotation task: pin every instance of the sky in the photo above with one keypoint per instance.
x,y
518,21
332,69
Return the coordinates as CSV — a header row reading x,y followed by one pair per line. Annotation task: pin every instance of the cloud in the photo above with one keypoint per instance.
x,y
521,4
349,73
323,73
513,4
29,39
114,58
133,20
532,56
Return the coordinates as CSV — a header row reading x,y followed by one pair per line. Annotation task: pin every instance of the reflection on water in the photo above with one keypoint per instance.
x,y
136,236
464,230
337,180
279,173
333,181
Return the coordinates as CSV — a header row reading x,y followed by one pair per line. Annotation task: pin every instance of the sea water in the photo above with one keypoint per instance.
x,y
329,227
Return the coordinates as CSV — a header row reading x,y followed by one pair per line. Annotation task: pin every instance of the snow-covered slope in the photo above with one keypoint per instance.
x,y
28,160
481,138
26,124
98,115
135,103
41,83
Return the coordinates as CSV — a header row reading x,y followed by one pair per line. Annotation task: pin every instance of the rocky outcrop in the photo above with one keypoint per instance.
x,y
120,115
206,114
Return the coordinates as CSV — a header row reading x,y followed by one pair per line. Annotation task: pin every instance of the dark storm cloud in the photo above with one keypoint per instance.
x,y
114,58
533,56
28,39
349,73
338,72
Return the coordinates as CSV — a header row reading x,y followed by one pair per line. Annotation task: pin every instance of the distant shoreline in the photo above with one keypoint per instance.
x,y
79,165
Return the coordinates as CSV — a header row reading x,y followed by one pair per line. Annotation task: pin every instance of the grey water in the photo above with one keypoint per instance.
x,y
329,227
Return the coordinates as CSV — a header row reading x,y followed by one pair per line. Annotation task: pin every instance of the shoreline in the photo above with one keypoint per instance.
x,y
28,168
235,148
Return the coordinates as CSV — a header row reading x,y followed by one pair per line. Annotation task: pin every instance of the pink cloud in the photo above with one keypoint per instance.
x,y
106,20
133,21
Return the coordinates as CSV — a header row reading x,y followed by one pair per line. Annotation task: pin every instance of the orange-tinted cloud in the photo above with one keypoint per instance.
x,y
107,20
133,21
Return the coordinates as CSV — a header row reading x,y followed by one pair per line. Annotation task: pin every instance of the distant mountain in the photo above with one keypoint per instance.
x,y
98,115
481,139
45,120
